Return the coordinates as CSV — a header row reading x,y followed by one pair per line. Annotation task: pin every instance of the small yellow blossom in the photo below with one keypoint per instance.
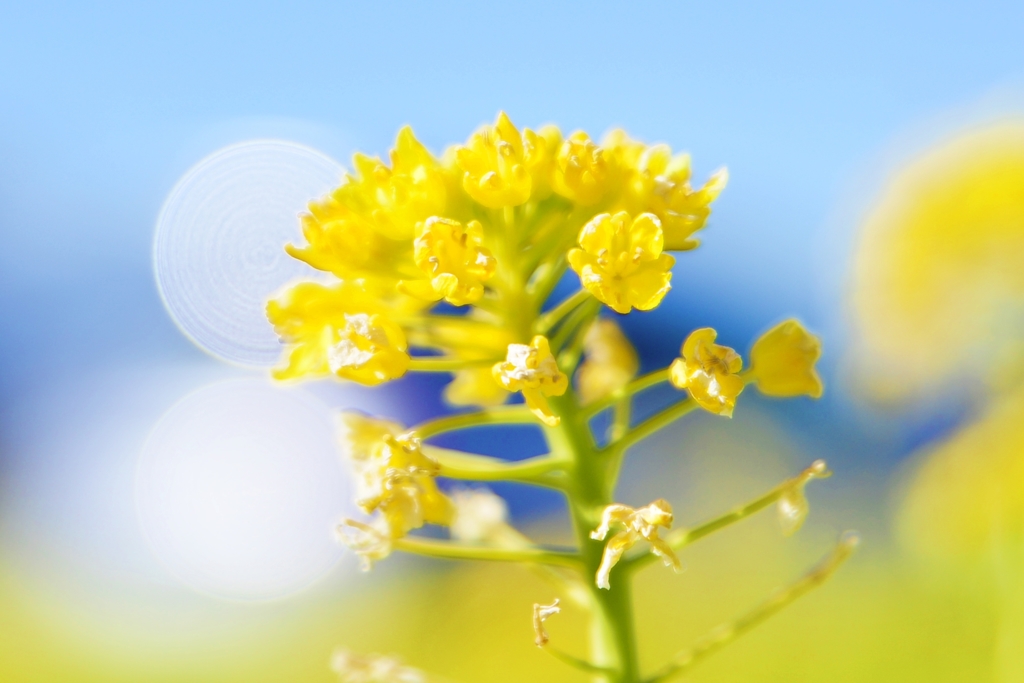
x,y
541,613
475,387
621,261
393,475
638,523
371,542
338,329
496,166
452,258
532,370
356,668
793,507
708,372
782,361
541,154
481,518
582,174
611,361
370,349
661,185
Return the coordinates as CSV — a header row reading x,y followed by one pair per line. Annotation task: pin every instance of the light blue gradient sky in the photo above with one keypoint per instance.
x,y
104,105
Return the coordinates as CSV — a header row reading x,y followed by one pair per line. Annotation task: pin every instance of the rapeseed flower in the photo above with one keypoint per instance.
x,y
708,372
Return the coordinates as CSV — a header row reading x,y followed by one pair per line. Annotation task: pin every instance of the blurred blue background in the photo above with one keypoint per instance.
x,y
104,105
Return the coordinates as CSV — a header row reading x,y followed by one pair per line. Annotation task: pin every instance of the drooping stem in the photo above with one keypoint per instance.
x,y
505,415
456,551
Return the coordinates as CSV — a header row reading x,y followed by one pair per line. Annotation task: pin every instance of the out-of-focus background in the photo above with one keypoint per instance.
x,y
165,516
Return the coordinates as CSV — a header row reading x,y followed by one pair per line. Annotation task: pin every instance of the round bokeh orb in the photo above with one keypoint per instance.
x,y
218,249
239,487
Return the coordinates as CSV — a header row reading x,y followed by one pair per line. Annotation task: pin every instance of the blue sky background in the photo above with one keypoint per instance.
x,y
103,106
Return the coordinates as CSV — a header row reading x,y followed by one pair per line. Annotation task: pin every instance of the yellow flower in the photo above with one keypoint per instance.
x,y
638,523
937,279
481,518
533,370
708,372
362,229
450,255
370,349
582,174
541,153
393,475
611,361
782,361
338,329
621,261
475,387
371,542
661,185
496,166
792,506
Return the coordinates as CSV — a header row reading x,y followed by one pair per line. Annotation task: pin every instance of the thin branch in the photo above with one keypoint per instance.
x,y
444,364
550,319
726,633
683,537
471,466
576,662
455,551
505,415
653,424
636,386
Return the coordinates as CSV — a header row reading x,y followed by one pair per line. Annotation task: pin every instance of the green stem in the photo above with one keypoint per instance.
x,y
458,465
455,551
653,424
550,319
505,415
612,634
442,364
635,387
726,633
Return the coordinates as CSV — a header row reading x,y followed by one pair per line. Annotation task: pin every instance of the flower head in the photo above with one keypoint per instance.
x,y
481,517
475,387
782,361
621,262
660,185
582,172
637,523
370,349
393,475
611,361
496,165
452,258
792,506
532,370
708,372
340,329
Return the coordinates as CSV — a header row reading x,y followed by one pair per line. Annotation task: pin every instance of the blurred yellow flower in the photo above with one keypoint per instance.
x,y
611,361
356,668
452,258
496,166
533,371
708,372
393,475
475,387
481,517
638,523
621,261
541,152
782,361
938,281
793,507
371,542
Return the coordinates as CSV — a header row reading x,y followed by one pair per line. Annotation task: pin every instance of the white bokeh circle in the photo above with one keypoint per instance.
x,y
238,489
218,248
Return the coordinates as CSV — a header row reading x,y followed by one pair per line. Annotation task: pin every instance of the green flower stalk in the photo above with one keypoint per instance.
x,y
491,228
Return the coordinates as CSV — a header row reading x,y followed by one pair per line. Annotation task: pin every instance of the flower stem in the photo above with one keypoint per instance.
x,y
505,415
455,551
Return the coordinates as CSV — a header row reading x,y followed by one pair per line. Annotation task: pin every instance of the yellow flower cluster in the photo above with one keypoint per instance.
x,y
489,226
